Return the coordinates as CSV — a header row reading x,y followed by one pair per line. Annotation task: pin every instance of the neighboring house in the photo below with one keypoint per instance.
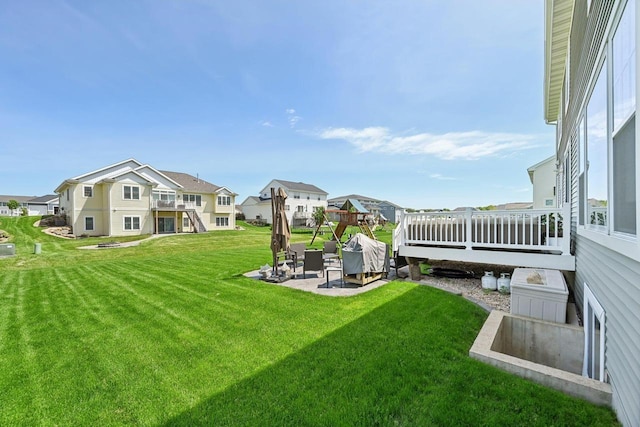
x,y
132,198
23,201
302,201
238,211
44,205
390,211
514,206
590,92
543,177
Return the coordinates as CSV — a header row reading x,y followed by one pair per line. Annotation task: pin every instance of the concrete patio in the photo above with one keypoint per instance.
x,y
316,283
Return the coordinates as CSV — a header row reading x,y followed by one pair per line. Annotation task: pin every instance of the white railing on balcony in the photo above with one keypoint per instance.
x,y
527,230
303,215
172,204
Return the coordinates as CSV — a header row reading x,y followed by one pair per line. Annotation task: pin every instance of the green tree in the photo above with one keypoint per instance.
x,y
13,205
318,215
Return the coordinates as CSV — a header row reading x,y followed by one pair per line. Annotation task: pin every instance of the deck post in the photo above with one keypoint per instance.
x,y
468,232
414,269
565,240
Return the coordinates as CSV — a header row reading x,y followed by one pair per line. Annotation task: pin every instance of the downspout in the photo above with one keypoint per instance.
x,y
109,211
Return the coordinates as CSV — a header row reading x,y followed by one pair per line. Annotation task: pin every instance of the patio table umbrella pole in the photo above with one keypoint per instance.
x,y
280,232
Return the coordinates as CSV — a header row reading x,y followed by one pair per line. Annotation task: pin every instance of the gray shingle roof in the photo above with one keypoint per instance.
x,y
44,199
301,186
352,196
19,199
191,183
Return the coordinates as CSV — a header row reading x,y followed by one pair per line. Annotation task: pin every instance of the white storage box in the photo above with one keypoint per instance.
x,y
539,293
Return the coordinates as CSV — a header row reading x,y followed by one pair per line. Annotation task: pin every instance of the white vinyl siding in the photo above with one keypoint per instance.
x,y
603,37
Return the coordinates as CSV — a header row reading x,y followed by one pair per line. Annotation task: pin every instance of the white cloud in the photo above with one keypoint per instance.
x,y
442,177
469,145
266,123
292,117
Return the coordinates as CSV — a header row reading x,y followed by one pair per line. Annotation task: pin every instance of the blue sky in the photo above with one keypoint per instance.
x,y
427,104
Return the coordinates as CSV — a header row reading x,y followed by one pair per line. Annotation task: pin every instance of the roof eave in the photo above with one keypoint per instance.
x,y
558,19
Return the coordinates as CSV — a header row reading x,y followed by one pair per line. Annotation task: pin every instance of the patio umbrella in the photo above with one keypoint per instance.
x,y
280,233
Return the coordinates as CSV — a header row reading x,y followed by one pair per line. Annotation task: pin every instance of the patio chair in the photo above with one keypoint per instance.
x,y
296,251
330,247
330,251
313,261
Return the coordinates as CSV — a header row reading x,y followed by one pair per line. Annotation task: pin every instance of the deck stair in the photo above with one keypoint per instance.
x,y
198,225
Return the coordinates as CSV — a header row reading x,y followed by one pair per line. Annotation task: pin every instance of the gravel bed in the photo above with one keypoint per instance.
x,y
471,289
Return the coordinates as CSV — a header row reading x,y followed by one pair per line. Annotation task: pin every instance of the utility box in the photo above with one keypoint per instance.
x,y
7,249
540,294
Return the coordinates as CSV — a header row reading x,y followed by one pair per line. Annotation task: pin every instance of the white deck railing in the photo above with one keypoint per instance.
x,y
527,230
172,204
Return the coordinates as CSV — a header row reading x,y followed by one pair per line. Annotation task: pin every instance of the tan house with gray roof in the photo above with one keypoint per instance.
x,y
132,198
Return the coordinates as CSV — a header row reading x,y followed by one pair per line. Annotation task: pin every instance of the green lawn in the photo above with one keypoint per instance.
x,y
170,332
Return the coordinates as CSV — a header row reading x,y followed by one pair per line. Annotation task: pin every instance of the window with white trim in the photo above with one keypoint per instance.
x,y
131,223
224,200
222,221
130,192
597,157
193,198
88,223
582,167
567,177
87,191
185,222
607,185
594,337
623,53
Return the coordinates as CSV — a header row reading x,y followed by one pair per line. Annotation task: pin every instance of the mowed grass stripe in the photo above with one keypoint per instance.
x,y
169,332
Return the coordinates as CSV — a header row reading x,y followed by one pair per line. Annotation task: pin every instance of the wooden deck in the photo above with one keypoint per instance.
x,y
524,238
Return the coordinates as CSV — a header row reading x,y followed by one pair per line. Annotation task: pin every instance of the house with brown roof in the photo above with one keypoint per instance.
x,y
131,198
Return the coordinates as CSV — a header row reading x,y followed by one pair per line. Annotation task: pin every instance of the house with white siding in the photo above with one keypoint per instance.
x,y
302,201
543,178
132,198
590,92
44,205
23,203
